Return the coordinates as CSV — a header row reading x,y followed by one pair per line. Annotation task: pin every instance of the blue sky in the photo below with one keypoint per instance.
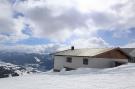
x,y
82,23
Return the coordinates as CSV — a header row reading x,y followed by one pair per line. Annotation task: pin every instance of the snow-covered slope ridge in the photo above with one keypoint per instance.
x,y
122,77
8,69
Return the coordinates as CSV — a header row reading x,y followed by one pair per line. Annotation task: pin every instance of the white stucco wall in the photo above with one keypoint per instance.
x,y
77,62
59,62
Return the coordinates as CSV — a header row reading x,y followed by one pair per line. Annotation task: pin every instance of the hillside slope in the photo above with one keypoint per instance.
x,y
43,63
122,77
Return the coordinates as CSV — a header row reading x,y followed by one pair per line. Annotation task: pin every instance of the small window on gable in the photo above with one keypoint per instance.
x,y
69,59
85,61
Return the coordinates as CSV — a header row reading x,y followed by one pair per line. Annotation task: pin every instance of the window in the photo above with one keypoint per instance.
x,y
69,59
85,61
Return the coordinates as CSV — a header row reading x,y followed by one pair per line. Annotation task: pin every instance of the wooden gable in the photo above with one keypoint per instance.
x,y
113,54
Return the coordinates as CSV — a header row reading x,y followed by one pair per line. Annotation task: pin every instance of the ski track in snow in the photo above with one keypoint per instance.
x,y
122,77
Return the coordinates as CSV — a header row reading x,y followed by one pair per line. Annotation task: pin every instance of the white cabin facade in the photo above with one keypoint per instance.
x,y
89,58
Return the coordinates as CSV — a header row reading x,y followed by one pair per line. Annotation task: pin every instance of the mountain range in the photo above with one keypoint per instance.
x,y
36,61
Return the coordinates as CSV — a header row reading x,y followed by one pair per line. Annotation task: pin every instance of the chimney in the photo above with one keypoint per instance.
x,y
72,47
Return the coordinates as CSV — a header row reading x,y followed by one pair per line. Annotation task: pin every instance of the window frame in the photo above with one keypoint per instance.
x,y
69,59
85,61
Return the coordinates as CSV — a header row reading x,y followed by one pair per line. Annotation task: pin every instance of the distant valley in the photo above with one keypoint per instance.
x,y
34,61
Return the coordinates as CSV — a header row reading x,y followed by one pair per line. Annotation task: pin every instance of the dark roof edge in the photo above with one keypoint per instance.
x,y
129,56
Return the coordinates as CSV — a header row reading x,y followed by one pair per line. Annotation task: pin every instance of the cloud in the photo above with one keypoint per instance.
x,y
48,48
130,45
59,21
90,43
10,28
6,21
66,20
53,47
83,6
52,26
3,38
118,18
56,21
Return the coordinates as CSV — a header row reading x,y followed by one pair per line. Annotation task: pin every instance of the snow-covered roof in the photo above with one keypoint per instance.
x,y
130,51
83,52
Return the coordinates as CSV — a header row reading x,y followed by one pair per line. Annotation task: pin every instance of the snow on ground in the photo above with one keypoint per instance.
x,y
37,59
122,77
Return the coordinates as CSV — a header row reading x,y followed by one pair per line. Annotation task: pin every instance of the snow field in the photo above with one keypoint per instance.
x,y
122,77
